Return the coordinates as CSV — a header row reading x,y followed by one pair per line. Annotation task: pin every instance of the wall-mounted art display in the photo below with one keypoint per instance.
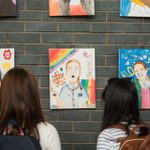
x,y
8,8
71,7
72,78
135,8
135,63
6,60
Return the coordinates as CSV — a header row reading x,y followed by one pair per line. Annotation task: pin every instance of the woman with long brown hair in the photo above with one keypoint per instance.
x,y
20,101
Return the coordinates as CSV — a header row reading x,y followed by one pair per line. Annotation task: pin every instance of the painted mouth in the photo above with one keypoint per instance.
x,y
73,76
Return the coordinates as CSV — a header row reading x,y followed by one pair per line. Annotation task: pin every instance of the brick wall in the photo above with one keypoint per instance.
x,y
32,32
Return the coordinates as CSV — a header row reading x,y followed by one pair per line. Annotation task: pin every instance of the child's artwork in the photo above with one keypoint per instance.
x,y
72,78
6,60
135,63
135,8
8,8
71,7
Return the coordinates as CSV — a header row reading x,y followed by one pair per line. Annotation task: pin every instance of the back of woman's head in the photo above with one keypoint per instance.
x,y
121,102
19,99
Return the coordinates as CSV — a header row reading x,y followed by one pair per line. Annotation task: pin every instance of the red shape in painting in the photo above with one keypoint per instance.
x,y
7,54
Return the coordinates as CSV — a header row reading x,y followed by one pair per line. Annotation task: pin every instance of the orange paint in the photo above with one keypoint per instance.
x,y
77,10
54,8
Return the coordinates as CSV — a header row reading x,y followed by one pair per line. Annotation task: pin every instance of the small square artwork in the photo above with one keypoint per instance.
x,y
135,8
135,64
8,8
71,8
72,78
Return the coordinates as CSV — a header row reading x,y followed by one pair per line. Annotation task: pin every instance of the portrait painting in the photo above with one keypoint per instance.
x,y
71,8
135,64
72,78
6,60
8,8
135,8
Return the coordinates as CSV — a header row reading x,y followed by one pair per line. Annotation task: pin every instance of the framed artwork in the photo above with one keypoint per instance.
x,y
135,8
71,7
8,8
6,60
135,63
72,78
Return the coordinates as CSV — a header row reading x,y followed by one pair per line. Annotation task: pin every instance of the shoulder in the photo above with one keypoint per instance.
x,y
107,139
49,137
64,87
112,133
46,127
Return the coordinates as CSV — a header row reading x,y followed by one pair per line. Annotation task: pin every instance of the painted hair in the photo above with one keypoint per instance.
x,y
142,63
20,101
121,102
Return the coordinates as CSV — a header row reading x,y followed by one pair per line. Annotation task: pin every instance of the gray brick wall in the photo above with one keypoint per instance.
x,y
32,32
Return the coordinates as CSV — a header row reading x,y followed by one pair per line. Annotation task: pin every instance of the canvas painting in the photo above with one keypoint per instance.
x,y
72,78
71,7
135,64
8,8
135,8
6,60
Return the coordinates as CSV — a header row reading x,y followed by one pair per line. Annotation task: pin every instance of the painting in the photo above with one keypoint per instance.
x,y
71,8
135,8
6,60
8,8
135,64
72,78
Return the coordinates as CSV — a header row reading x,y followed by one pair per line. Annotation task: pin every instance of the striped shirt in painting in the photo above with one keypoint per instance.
x,y
107,139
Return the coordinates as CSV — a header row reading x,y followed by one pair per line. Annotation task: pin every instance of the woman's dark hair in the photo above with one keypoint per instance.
x,y
20,101
121,102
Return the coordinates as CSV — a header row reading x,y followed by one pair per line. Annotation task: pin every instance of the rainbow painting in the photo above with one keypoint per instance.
x,y
72,78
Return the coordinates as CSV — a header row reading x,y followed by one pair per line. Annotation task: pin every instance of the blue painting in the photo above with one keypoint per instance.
x,y
135,64
135,8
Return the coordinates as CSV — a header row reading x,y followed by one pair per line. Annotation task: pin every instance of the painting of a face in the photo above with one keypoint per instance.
x,y
140,71
73,71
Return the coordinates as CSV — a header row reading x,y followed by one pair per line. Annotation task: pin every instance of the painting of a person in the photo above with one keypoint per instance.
x,y
71,7
66,7
73,94
142,83
7,7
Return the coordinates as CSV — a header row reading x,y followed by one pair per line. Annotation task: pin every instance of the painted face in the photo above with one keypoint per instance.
x,y
140,71
73,71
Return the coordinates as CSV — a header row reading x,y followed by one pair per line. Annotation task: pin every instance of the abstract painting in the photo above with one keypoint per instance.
x,y
135,8
72,78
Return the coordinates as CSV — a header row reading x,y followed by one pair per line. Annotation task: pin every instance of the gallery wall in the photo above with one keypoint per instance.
x,y
33,32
